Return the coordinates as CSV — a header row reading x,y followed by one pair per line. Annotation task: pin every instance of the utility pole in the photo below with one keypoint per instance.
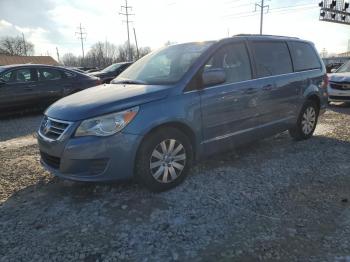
x,y
24,45
262,7
58,55
137,47
126,13
82,36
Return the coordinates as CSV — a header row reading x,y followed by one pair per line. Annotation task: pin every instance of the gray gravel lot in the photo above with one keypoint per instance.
x,y
275,199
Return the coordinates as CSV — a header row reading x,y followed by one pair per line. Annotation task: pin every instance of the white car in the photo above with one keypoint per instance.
x,y
339,84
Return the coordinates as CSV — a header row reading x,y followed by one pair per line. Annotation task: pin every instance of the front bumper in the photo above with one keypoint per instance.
x,y
335,95
91,158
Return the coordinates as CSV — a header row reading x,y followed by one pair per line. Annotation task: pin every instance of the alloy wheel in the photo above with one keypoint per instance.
x,y
309,120
168,160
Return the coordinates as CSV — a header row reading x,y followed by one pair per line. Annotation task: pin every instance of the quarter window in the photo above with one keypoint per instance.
x,y
69,74
272,58
304,56
234,60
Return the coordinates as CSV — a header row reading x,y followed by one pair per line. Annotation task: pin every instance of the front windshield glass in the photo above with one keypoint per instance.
x,y
111,68
344,68
165,66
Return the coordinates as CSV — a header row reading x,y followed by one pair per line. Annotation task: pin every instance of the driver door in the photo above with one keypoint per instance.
x,y
228,109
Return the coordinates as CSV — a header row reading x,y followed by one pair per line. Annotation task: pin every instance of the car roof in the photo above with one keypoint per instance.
x,y
28,65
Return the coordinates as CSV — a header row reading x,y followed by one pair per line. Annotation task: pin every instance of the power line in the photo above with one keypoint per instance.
x,y
82,36
126,13
290,8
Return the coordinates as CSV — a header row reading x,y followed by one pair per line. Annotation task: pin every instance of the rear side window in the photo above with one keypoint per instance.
x,y
272,58
304,56
49,74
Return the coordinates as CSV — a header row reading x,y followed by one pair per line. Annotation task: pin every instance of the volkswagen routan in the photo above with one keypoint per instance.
x,y
182,103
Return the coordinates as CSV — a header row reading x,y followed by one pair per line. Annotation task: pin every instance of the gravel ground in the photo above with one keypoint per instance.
x,y
273,200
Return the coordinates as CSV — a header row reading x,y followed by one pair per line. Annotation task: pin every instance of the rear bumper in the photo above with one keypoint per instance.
x,y
91,158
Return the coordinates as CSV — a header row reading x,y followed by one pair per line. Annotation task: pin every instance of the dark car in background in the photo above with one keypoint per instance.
x,y
28,85
111,72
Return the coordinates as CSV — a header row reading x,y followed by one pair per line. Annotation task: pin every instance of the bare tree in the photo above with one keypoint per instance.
x,y
102,55
70,59
16,46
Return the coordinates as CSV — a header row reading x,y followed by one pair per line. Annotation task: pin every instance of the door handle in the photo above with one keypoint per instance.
x,y
267,87
250,90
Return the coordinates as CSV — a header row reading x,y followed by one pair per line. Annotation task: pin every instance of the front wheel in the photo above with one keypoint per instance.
x,y
307,121
164,159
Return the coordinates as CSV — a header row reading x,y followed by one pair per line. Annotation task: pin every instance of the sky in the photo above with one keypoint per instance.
x,y
52,23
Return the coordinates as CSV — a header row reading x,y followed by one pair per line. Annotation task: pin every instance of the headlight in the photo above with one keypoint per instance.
x,y
106,125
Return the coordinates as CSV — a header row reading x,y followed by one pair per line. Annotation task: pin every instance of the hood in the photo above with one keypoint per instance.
x,y
104,99
339,77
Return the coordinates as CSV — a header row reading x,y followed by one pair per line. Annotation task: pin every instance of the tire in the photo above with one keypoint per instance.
x,y
307,121
155,167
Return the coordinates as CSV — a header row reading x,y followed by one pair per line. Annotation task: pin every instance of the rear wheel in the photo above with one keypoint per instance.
x,y
307,121
164,159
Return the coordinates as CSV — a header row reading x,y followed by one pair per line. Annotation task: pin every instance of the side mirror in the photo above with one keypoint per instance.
x,y
213,77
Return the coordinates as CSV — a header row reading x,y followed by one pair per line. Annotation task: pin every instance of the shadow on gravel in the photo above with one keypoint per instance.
x,y
18,125
342,108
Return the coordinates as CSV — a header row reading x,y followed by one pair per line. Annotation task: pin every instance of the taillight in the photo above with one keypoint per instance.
x,y
325,81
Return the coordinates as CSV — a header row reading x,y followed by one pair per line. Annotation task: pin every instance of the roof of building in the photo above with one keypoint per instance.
x,y
11,60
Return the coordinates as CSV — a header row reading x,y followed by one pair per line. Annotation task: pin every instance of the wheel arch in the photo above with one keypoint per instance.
x,y
314,97
183,127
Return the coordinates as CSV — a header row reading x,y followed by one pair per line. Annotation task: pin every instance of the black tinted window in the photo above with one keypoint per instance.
x,y
49,74
272,58
69,74
19,75
304,56
234,60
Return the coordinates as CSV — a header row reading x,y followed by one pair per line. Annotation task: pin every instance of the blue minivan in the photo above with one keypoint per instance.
x,y
182,103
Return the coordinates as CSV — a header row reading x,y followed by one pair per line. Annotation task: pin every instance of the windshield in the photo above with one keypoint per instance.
x,y
344,68
111,68
165,66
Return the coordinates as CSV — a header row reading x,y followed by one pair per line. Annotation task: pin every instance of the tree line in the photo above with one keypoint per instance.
x,y
100,55
104,54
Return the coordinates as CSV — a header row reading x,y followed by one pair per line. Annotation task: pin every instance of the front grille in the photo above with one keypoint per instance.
x,y
340,86
51,161
53,129
340,98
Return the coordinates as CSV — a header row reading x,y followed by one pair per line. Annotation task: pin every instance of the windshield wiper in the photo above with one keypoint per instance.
x,y
128,81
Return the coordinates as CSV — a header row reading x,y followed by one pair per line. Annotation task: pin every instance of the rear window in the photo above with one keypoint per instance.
x,y
272,58
304,56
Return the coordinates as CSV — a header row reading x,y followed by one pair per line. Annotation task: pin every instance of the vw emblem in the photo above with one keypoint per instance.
x,y
46,126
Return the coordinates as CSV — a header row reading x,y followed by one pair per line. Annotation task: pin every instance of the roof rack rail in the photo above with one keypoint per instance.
x,y
291,37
